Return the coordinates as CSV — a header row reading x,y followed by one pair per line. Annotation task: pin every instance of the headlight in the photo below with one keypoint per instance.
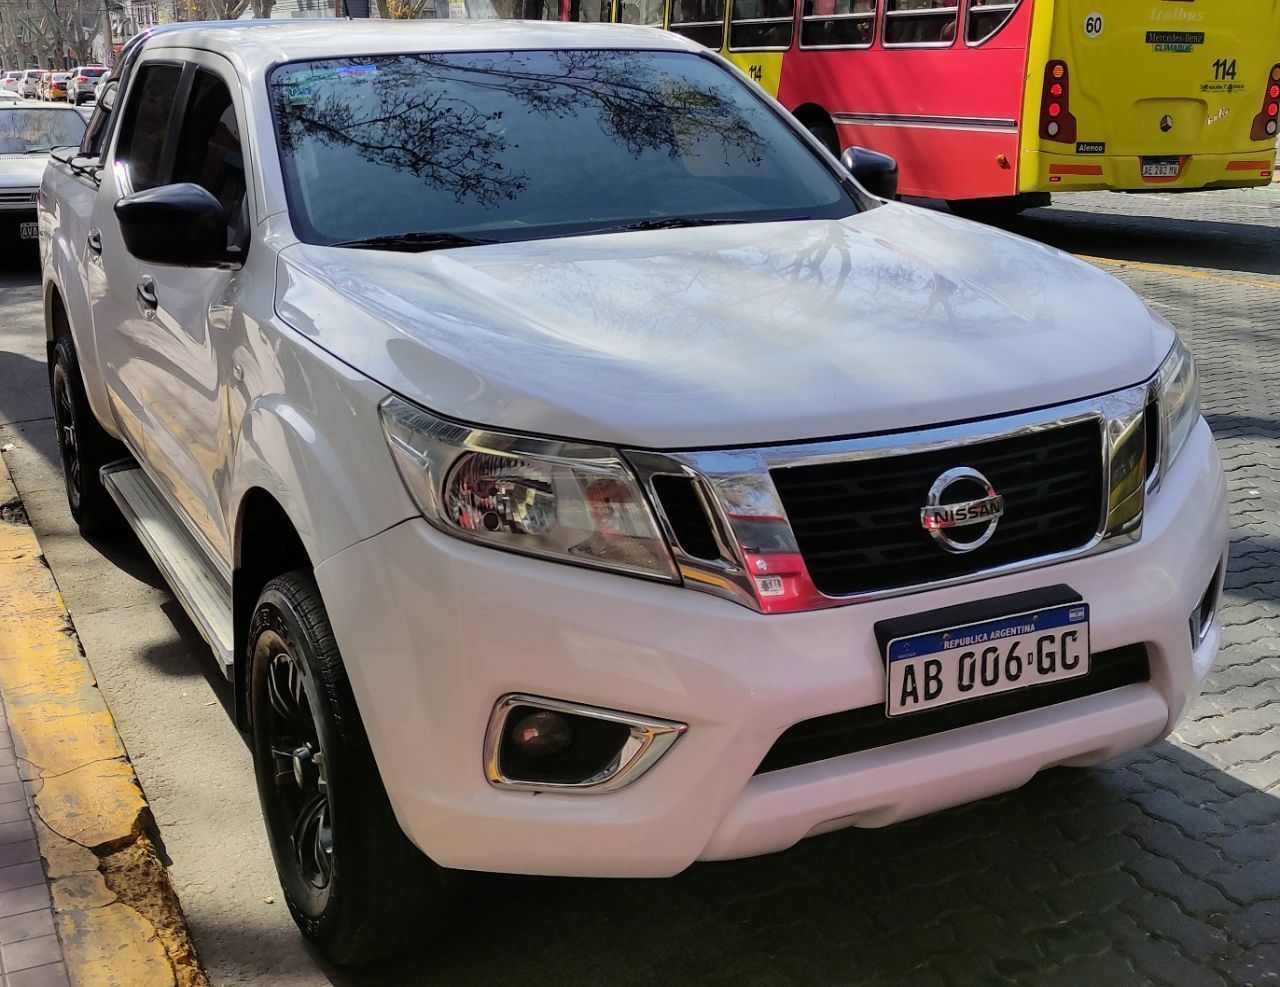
x,y
1179,396
545,497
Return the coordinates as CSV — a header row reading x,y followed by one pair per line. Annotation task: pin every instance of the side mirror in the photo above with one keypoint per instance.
x,y
875,172
182,225
107,98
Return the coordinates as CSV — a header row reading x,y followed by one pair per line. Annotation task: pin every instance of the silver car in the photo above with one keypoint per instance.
x,y
28,132
82,83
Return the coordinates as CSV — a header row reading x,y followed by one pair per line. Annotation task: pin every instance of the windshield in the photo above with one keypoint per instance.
x,y
25,131
91,73
520,145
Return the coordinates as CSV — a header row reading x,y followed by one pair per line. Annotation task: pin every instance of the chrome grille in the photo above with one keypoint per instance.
x,y
857,523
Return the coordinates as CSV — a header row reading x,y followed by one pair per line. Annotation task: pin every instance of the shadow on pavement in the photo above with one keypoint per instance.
x,y
1092,874
1154,239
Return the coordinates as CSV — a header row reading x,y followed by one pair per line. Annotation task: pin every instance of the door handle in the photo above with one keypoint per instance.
x,y
147,300
95,241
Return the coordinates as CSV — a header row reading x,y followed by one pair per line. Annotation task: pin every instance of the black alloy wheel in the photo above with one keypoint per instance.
x,y
83,445
355,885
301,818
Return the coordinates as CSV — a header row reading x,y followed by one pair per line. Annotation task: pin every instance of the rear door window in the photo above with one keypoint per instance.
x,y
144,137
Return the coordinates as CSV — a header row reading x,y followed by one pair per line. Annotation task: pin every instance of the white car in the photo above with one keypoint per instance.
x,y
12,81
578,472
28,133
29,84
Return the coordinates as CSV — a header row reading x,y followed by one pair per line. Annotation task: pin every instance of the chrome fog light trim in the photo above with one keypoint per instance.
x,y
647,741
1205,615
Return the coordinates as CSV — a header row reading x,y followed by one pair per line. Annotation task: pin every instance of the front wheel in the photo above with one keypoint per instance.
x,y
83,444
354,884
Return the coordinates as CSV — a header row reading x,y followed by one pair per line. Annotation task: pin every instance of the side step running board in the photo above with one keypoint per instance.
x,y
199,587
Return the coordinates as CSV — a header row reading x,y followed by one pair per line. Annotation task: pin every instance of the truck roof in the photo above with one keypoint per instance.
x,y
259,44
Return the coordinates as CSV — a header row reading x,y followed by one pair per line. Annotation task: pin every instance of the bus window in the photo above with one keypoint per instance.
x,y
647,12
596,11
920,22
699,20
986,17
838,23
757,24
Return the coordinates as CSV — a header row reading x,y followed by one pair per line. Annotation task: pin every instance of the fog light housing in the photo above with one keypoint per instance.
x,y
1203,616
541,733
551,745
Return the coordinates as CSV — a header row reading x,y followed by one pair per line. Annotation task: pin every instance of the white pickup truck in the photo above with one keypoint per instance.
x,y
578,472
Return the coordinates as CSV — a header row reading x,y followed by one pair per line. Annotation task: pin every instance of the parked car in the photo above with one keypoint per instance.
x,y
29,86
578,470
12,81
55,86
82,83
28,132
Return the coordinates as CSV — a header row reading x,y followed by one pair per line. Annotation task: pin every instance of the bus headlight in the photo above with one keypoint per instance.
x,y
546,497
1179,396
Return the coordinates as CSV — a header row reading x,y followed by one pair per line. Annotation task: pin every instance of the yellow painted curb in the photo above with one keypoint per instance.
x,y
117,915
1184,272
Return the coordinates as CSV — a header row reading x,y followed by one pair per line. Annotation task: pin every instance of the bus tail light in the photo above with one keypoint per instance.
x,y
1056,121
1267,122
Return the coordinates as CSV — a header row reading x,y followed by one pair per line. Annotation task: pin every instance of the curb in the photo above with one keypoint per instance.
x,y
116,913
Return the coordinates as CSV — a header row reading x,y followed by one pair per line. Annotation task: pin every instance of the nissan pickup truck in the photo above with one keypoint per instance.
x,y
578,470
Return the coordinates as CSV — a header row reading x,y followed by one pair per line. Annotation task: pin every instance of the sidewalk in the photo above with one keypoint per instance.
x,y
30,952
84,897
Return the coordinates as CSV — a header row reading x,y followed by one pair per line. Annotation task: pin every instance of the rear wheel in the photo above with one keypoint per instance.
x,y
354,884
83,444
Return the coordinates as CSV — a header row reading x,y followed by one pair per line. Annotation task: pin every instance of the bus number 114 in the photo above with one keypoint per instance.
x,y
1224,68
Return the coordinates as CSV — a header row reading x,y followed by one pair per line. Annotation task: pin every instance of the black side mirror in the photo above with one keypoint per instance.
x,y
182,225
875,172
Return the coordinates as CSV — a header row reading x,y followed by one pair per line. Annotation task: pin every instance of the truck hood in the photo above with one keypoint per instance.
x,y
892,319
22,170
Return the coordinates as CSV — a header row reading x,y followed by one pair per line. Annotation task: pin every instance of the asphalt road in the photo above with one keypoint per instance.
x,y
1159,867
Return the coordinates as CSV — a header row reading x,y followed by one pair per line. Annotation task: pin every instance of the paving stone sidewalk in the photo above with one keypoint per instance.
x,y
30,953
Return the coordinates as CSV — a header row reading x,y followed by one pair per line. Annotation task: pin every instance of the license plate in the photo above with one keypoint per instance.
x,y
28,231
925,671
1161,168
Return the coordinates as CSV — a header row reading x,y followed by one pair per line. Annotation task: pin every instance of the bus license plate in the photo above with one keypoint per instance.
x,y
28,231
1160,168
939,668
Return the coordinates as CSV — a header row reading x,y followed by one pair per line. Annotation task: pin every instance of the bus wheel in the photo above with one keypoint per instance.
x,y
825,131
997,210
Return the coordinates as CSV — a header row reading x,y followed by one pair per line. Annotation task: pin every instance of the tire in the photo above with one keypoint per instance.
x,y
83,444
355,885
826,133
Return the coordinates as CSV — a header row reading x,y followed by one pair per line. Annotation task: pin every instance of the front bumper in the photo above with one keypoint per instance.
x,y
434,631
1047,172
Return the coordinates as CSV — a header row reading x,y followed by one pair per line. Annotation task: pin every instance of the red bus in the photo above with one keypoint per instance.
x,y
994,103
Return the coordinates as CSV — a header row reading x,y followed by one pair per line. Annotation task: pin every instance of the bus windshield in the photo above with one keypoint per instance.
x,y
522,145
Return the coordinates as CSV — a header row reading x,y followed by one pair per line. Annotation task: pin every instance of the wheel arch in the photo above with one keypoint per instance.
x,y
267,544
813,115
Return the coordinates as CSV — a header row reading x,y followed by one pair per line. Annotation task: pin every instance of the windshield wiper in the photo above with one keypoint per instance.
x,y
669,223
414,241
